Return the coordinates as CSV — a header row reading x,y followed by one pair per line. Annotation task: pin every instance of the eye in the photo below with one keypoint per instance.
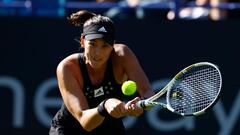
x,y
92,43
105,45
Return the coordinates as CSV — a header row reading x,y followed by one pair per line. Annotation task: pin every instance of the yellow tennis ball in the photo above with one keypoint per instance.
x,y
129,88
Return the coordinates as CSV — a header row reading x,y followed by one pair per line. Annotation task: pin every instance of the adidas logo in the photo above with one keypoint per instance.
x,y
98,92
102,29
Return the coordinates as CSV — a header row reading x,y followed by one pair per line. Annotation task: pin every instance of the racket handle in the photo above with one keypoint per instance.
x,y
141,104
147,104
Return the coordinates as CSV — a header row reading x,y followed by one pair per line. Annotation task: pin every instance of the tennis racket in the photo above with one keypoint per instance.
x,y
191,92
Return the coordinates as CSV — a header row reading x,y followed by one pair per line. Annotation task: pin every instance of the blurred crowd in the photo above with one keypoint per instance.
x,y
200,9
184,9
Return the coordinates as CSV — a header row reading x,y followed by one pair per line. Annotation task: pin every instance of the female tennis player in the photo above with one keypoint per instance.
x,y
90,82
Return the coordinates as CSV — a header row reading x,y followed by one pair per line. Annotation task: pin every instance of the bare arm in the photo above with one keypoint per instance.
x,y
135,72
129,68
70,85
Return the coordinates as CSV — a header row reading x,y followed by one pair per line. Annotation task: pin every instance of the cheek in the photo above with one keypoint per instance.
x,y
87,53
108,52
89,49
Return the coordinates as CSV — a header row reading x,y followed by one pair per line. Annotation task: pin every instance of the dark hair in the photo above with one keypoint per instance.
x,y
85,18
80,17
94,26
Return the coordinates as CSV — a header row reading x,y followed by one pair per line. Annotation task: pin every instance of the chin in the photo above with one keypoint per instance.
x,y
96,65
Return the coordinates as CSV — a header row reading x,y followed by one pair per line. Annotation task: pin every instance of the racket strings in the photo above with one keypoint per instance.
x,y
196,90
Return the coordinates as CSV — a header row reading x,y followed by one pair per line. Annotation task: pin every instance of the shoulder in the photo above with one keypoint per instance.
x,y
68,64
123,55
122,50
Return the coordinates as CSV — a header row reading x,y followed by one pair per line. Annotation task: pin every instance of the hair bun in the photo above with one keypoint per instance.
x,y
80,17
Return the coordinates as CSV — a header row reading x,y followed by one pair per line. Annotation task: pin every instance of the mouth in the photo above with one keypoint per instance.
x,y
97,59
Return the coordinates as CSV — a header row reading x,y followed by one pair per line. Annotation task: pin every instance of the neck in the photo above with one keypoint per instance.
x,y
98,70
96,75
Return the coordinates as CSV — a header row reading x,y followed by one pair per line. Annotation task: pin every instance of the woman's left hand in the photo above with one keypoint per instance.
x,y
132,109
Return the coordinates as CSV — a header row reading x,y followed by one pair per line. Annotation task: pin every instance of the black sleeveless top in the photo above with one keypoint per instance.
x,y
65,124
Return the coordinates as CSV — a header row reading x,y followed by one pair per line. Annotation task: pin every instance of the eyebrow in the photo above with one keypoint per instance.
x,y
93,40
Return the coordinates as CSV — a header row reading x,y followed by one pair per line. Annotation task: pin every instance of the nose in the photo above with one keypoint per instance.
x,y
98,50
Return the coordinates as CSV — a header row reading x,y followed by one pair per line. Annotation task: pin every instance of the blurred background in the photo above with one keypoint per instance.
x,y
166,36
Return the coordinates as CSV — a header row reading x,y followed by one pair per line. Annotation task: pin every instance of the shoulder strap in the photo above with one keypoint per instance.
x,y
81,60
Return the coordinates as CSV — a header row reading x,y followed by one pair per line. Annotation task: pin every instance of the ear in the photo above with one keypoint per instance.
x,y
82,41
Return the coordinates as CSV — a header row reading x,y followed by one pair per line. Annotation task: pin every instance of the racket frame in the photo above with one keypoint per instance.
x,y
150,102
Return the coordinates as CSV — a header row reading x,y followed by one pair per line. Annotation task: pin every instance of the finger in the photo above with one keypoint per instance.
x,y
122,109
135,100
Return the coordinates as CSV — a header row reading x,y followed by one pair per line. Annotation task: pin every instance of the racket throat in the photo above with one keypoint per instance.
x,y
146,104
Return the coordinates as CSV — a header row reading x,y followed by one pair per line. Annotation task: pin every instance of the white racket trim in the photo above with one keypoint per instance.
x,y
149,103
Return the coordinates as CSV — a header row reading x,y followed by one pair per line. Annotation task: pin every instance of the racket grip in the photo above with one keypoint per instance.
x,y
141,104
147,104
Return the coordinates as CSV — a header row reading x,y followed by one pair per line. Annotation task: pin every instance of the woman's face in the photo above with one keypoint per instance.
x,y
97,52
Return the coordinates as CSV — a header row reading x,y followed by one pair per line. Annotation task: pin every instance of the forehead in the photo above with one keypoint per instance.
x,y
98,41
